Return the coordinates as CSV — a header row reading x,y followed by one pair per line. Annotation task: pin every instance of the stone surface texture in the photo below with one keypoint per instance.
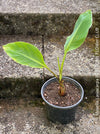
x,y
44,17
79,62
48,6
17,117
18,80
33,21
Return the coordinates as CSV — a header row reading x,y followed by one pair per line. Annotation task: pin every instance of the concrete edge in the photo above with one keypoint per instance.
x,y
30,87
41,24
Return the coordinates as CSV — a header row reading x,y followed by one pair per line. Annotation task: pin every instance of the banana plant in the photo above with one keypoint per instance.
x,y
29,55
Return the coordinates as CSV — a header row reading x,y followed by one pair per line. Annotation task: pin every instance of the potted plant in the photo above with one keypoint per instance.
x,y
61,94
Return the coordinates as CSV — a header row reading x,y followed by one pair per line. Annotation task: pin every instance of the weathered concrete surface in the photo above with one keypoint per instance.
x,y
22,81
79,62
18,117
44,17
48,6
20,87
42,24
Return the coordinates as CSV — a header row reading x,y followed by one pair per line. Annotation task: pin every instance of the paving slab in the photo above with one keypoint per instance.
x,y
17,116
45,17
48,6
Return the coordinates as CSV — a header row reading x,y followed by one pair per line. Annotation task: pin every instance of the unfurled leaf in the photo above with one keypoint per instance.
x,y
25,54
80,31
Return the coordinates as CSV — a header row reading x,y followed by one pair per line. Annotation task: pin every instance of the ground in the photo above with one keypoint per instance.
x,y
22,117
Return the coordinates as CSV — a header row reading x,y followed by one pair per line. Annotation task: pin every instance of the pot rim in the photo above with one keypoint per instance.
x,y
59,107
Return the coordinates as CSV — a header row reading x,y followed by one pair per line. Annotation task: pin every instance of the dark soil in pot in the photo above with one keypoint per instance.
x,y
72,94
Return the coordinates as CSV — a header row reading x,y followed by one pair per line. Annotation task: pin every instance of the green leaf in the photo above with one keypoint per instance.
x,y
80,31
25,54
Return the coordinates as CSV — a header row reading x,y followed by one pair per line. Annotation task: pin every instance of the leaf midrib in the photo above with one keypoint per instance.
x,y
73,36
29,58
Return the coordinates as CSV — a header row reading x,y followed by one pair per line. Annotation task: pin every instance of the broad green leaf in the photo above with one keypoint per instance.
x,y
25,54
80,31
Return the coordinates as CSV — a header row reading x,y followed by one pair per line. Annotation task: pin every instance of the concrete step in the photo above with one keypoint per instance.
x,y
18,80
40,17
20,117
21,108
48,6
79,62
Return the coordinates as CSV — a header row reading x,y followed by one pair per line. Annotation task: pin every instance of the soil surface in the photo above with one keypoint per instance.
x,y
72,94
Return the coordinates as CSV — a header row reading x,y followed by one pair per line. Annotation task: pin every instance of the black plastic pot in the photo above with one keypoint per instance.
x,y
60,114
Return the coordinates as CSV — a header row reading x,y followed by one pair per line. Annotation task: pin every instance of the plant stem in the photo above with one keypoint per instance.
x,y
52,72
61,88
61,82
62,64
59,69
